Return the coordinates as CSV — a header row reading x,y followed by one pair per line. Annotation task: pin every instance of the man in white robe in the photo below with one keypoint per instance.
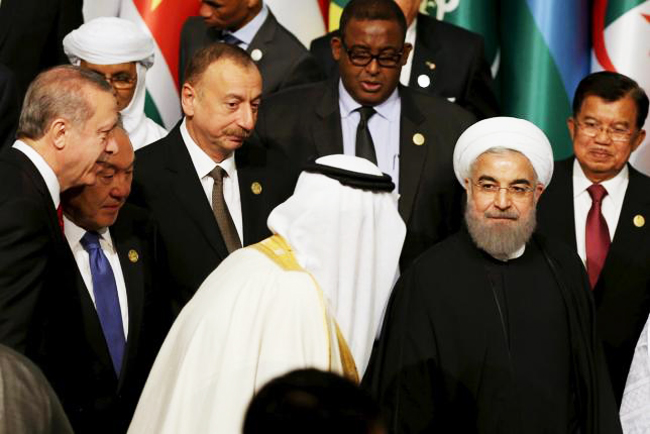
x,y
277,305
117,49
635,408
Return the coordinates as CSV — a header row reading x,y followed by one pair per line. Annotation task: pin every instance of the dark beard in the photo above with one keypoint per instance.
x,y
500,240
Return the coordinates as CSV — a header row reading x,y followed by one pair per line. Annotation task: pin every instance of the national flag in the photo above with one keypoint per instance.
x,y
336,9
163,20
621,35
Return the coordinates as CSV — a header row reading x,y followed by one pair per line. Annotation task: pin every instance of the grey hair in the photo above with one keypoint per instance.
x,y
59,92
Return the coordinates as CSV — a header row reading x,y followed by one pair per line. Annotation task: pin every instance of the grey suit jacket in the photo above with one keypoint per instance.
x,y
305,122
285,62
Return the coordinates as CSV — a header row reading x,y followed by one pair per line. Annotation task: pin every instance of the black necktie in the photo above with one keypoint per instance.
x,y
228,38
365,148
221,214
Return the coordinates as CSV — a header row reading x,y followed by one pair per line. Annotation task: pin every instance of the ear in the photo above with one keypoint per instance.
x,y
539,189
640,136
467,182
57,132
337,48
188,99
571,125
405,53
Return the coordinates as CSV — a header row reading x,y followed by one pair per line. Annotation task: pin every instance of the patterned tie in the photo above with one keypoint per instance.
x,y
221,214
106,301
228,38
365,148
596,234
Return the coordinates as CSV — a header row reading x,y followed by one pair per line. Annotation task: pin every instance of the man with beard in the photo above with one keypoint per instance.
x,y
493,330
210,192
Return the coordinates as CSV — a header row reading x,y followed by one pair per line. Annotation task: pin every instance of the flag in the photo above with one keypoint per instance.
x,y
163,20
621,39
336,9
304,18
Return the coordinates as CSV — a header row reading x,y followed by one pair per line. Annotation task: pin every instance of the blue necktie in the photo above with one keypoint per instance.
x,y
106,301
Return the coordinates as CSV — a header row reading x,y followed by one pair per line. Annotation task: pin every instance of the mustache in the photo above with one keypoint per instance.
x,y
508,214
240,133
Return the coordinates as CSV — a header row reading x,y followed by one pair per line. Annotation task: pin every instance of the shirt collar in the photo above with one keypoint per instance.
x,y
411,33
202,162
248,32
615,187
48,175
74,233
389,109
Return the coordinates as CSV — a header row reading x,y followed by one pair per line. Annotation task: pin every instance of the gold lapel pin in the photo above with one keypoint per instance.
x,y
418,139
638,221
133,256
430,65
256,188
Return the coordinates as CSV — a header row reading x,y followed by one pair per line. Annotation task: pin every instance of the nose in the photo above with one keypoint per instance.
x,y
122,187
373,67
603,136
111,147
247,117
502,199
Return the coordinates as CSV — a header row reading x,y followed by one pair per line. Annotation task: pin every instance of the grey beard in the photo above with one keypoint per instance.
x,y
502,240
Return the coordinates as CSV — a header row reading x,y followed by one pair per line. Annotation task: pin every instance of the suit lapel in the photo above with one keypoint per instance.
x,y
327,133
264,35
427,47
189,193
412,156
129,248
563,179
628,237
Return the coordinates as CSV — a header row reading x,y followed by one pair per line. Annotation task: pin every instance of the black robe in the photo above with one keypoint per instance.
x,y
466,347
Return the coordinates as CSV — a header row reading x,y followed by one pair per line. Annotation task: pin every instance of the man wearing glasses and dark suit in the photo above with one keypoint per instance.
x,y
409,134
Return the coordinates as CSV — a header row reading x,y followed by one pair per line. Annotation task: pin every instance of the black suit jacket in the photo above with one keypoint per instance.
x,y
71,348
31,35
459,69
166,182
9,107
285,61
622,293
305,122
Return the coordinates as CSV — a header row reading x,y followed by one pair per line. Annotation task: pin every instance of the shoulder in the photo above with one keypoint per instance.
x,y
193,25
639,177
282,36
155,152
302,95
322,42
436,110
565,257
447,33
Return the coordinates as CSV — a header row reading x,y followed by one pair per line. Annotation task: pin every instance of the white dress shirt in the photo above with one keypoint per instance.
x,y
203,165
48,175
384,129
73,234
405,75
611,205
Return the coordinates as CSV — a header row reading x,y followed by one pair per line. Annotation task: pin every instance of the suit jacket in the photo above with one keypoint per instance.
x,y
285,61
622,293
31,35
305,122
166,182
460,70
71,348
9,107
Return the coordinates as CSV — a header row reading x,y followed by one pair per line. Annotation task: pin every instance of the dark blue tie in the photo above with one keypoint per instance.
x,y
106,301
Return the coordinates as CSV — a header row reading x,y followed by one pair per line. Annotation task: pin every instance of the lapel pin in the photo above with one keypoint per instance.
x,y
133,256
256,188
424,81
430,65
418,139
638,220
256,55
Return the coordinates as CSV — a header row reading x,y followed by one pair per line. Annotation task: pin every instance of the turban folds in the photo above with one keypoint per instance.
x,y
504,132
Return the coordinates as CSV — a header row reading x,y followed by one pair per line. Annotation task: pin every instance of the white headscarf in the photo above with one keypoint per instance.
x,y
111,41
506,132
350,240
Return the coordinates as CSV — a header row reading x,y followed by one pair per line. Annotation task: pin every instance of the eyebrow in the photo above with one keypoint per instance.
x,y
108,165
516,181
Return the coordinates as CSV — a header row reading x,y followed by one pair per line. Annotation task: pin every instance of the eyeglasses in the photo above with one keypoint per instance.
x,y
363,57
516,191
121,81
592,129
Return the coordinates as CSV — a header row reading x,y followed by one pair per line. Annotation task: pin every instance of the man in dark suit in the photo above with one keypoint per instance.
x,y
9,107
411,134
210,192
62,132
282,60
103,335
446,61
598,204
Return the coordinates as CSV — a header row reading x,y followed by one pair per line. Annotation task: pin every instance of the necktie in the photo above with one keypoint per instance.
x,y
59,216
221,214
106,301
365,148
229,38
596,235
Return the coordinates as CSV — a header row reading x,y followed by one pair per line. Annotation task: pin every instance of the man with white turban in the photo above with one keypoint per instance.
x,y
311,295
118,50
492,330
